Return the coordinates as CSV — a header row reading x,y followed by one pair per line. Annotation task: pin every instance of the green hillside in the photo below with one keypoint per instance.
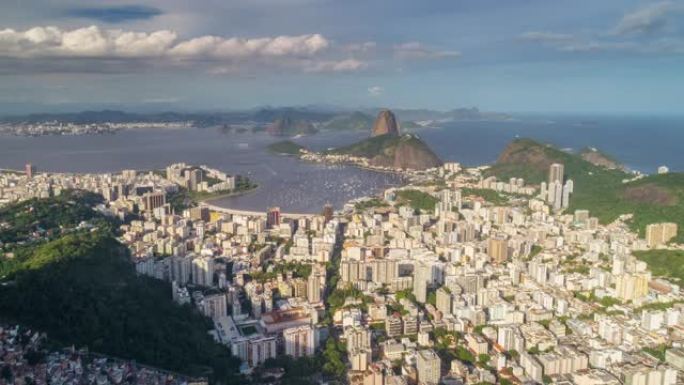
x,y
655,198
370,147
81,288
396,151
354,121
664,263
46,217
285,147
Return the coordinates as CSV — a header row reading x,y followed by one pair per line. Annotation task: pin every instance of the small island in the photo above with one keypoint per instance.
x,y
285,147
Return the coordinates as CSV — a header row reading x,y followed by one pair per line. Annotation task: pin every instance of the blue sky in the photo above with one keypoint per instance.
x,y
573,56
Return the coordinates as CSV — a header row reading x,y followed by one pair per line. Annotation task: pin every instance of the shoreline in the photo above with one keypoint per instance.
x,y
210,200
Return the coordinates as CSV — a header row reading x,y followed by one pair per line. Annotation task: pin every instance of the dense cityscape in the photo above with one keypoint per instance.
x,y
455,278
318,192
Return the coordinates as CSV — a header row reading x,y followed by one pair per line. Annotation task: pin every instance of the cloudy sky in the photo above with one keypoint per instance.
x,y
590,56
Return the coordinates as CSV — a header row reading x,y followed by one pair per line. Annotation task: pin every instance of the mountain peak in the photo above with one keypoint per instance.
x,y
385,123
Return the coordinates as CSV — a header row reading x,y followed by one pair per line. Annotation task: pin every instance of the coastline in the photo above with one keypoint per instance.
x,y
209,200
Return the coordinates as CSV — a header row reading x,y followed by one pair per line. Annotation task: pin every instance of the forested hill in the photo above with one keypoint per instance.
x,y
80,287
602,190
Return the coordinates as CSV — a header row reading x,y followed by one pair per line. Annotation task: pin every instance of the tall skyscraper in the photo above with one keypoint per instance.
x,y
556,172
421,275
313,288
30,170
273,217
558,200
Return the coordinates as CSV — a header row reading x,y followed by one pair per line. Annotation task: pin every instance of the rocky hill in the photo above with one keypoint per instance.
x,y
357,121
385,123
396,151
287,126
598,158
386,148
607,193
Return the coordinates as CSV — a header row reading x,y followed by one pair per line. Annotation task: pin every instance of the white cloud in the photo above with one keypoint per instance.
x,y
547,37
96,42
45,47
347,65
416,50
646,31
375,90
648,19
361,47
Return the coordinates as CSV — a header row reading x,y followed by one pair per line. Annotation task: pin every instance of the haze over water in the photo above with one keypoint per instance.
x,y
640,143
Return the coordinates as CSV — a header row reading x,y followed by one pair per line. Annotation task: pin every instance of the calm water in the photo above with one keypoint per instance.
x,y
640,143
283,181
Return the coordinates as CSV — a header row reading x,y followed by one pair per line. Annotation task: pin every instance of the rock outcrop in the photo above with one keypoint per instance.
x,y
406,152
395,151
386,123
287,126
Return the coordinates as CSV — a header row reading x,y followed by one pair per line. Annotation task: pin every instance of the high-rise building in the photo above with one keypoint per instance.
x,y
214,306
180,268
30,170
273,217
328,212
393,325
357,338
637,375
203,271
558,196
630,287
567,190
154,199
195,178
313,288
428,366
557,192
551,194
443,302
200,213
257,305
300,341
359,359
658,234
384,270
254,351
556,173
498,248
421,275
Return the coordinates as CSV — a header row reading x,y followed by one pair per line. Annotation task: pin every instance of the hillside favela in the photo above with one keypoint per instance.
x,y
317,192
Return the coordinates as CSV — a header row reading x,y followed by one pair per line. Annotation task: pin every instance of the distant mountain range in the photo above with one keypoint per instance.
x,y
280,121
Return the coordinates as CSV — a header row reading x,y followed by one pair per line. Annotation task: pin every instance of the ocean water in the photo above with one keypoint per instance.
x,y
641,143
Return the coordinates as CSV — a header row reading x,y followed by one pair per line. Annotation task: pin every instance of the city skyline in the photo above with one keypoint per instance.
x,y
532,56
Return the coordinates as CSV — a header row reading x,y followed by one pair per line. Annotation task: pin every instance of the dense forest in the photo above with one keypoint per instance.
x,y
80,287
